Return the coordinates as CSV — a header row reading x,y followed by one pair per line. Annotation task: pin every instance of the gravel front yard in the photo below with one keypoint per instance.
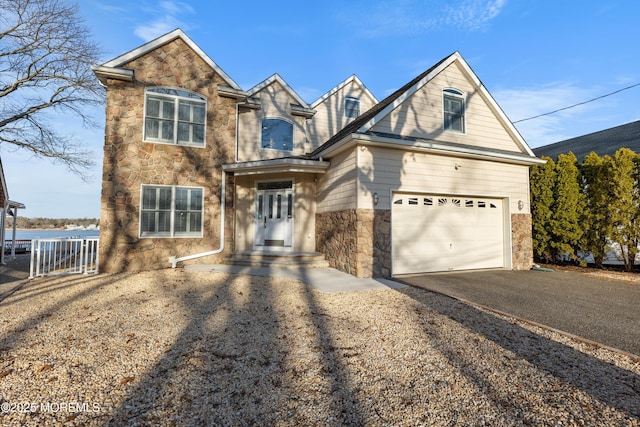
x,y
195,348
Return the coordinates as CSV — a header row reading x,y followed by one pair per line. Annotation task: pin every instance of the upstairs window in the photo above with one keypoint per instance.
x,y
168,211
174,116
351,107
453,108
277,134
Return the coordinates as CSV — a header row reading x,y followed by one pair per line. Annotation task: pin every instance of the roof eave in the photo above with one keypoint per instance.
x,y
453,58
288,165
164,39
428,146
229,92
15,205
104,73
277,78
339,86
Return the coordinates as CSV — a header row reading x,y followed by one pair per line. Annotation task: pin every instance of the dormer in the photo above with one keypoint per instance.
x,y
337,108
271,122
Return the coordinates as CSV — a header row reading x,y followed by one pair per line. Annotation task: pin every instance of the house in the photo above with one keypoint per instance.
x,y
197,170
7,207
604,142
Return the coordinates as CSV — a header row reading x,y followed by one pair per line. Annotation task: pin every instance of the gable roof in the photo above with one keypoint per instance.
x,y
604,142
111,67
351,79
368,119
276,78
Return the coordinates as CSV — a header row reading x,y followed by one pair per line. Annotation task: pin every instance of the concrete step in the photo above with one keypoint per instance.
x,y
277,259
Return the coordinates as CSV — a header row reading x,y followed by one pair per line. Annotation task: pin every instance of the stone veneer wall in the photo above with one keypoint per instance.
x,y
346,239
522,243
382,244
358,241
129,163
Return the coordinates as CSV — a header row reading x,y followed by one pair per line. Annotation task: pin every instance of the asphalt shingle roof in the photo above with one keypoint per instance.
x,y
372,112
604,142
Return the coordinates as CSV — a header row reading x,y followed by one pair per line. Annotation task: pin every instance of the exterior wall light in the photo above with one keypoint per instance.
x,y
376,198
520,205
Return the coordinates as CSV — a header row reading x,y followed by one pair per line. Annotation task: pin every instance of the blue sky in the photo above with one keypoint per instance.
x,y
533,57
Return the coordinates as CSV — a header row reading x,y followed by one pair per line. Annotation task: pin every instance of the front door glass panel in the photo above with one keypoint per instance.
x,y
273,228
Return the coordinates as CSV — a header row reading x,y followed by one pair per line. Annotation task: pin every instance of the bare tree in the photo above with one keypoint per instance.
x,y
45,72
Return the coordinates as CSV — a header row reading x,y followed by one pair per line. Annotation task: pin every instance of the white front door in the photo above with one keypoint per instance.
x,y
274,215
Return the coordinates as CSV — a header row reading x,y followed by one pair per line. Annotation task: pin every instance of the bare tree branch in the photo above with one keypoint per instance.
x,y
45,69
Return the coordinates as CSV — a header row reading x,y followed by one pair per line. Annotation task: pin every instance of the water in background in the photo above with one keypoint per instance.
x,y
49,234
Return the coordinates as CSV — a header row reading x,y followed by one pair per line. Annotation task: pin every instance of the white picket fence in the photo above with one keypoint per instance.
x,y
64,256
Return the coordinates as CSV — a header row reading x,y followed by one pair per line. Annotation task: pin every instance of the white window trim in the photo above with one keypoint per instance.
x,y
351,98
293,134
171,234
198,97
458,94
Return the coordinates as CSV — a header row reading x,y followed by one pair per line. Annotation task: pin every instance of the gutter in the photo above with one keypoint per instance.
x,y
427,146
174,261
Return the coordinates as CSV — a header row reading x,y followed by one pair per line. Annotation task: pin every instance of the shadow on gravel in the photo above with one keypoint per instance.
x,y
235,361
213,349
346,409
39,313
610,384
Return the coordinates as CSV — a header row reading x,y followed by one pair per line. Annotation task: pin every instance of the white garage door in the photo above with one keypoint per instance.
x,y
432,233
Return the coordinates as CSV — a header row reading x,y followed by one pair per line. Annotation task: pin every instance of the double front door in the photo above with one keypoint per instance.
x,y
274,215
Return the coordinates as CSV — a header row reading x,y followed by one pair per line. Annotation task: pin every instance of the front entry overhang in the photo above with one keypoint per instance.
x,y
274,207
283,165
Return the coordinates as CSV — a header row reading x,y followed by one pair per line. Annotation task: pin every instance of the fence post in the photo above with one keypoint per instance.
x,y
33,251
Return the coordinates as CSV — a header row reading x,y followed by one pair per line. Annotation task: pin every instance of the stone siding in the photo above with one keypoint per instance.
x,y
382,244
358,241
522,253
130,163
346,239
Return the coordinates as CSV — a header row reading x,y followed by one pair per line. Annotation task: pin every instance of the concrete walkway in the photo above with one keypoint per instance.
x,y
323,279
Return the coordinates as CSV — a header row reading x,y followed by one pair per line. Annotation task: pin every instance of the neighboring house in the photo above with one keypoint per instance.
x,y
432,178
604,142
7,207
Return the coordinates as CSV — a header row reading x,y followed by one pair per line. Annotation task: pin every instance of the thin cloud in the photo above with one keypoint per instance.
x,y
523,103
473,14
167,20
415,17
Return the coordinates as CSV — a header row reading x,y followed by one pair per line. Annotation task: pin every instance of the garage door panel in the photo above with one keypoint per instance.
x,y
439,233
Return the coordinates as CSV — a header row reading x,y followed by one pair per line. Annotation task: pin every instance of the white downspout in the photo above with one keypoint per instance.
x,y
236,138
174,261
2,232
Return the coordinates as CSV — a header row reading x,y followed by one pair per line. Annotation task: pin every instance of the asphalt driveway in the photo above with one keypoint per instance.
x,y
604,311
